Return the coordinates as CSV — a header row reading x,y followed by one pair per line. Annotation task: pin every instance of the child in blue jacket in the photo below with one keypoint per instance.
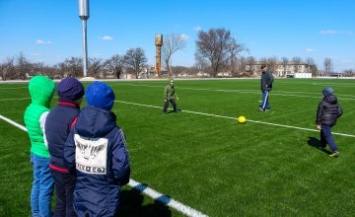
x,y
96,150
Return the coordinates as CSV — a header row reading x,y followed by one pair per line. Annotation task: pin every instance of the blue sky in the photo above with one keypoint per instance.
x,y
50,31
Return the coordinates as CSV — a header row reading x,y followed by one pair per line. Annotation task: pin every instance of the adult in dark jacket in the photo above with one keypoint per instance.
x,y
266,86
96,151
57,128
328,113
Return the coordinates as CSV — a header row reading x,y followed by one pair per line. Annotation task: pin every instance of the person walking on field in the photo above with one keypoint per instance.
x,y
170,96
41,90
266,86
328,112
96,151
59,122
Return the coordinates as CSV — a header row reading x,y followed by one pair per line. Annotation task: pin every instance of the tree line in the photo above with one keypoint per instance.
x,y
216,51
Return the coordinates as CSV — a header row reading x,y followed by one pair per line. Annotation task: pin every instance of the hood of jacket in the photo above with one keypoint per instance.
x,y
95,122
332,99
41,89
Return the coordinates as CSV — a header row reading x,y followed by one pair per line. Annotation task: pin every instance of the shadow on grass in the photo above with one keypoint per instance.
x,y
132,206
315,143
172,112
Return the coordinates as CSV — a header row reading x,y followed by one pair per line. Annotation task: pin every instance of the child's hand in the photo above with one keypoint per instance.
x,y
319,127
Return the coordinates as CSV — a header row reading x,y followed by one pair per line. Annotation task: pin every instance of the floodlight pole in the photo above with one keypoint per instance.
x,y
84,16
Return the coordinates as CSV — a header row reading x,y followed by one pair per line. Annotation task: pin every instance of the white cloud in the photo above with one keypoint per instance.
x,y
334,32
347,33
42,42
310,50
39,41
197,28
106,38
35,54
184,37
328,32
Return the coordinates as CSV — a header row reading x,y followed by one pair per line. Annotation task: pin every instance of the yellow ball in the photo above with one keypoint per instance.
x,y
241,119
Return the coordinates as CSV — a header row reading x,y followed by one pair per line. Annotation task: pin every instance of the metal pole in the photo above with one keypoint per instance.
x,y
85,51
84,15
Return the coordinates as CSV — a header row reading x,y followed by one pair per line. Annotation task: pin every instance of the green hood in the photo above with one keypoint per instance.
x,y
40,95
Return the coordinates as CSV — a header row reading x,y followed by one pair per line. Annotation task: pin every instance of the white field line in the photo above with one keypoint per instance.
x,y
143,188
13,123
233,118
165,199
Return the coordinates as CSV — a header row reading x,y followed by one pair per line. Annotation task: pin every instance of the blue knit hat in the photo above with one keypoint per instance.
x,y
328,91
70,89
100,95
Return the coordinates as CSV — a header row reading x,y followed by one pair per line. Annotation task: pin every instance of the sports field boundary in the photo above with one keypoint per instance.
x,y
144,189
234,118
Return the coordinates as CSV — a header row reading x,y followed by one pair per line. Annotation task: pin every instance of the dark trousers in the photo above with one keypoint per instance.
x,y
326,137
65,185
166,105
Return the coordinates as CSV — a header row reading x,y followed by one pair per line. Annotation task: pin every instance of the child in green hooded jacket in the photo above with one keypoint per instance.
x,y
41,90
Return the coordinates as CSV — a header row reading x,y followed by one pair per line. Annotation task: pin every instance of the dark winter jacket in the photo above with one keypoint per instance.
x,y
328,111
57,128
266,81
96,149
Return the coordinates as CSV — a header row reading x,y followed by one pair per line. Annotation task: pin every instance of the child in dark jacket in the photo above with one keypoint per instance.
x,y
96,150
57,128
328,113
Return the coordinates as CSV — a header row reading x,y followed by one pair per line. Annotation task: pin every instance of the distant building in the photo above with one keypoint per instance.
x,y
279,69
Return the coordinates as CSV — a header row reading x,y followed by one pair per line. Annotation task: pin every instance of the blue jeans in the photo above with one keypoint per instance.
x,y
265,100
42,187
327,138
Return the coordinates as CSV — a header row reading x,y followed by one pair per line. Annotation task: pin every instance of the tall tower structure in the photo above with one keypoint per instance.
x,y
158,45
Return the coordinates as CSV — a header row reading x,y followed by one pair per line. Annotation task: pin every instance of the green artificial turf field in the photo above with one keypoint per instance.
x,y
202,157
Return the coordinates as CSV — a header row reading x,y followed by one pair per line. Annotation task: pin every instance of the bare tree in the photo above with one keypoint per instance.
x,y
23,67
328,65
115,65
250,61
311,66
235,49
285,61
296,62
71,67
201,63
135,60
215,46
272,62
95,67
242,61
8,69
172,43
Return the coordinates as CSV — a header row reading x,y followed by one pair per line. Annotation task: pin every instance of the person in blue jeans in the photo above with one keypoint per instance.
x,y
266,86
41,90
328,113
42,187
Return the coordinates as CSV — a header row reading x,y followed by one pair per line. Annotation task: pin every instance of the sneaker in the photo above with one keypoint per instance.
x,y
334,154
261,109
